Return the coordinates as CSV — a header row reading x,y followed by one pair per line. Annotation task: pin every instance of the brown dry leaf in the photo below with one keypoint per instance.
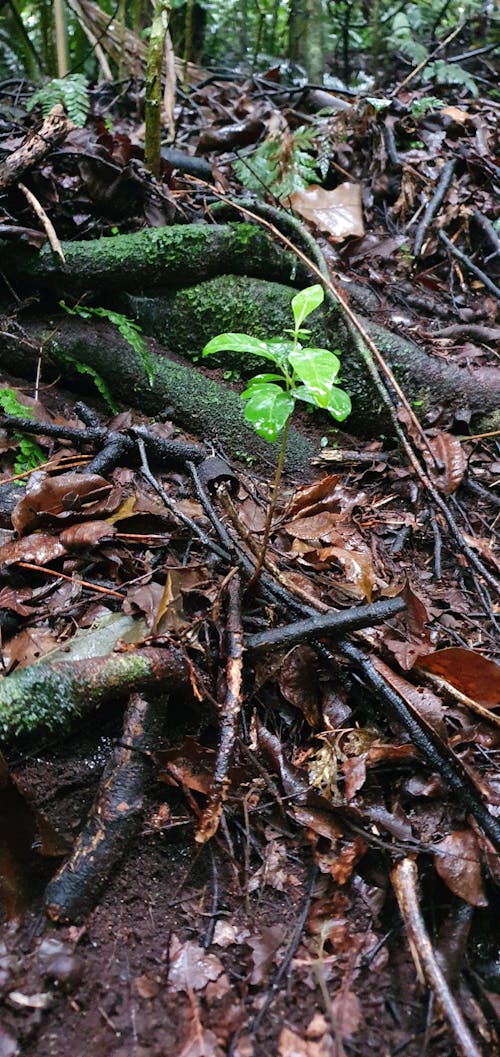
x,y
340,863
448,450
290,1044
27,646
298,682
191,764
57,497
467,670
39,548
87,534
354,771
347,1009
311,498
323,526
358,569
252,514
200,1043
412,621
13,598
273,871
264,946
484,547
458,864
460,116
339,212
191,968
125,510
425,702
146,986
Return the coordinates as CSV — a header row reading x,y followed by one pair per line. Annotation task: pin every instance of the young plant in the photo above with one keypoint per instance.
x,y
300,373
30,455
71,91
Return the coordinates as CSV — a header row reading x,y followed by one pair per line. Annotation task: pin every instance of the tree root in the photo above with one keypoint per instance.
x,y
115,815
50,696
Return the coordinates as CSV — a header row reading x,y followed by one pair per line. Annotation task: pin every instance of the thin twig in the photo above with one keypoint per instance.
x,y
231,709
462,257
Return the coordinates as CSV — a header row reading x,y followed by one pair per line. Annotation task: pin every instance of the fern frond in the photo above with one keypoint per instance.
x,y
71,91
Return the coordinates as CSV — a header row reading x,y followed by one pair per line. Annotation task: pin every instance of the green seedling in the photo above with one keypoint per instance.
x,y
30,455
300,373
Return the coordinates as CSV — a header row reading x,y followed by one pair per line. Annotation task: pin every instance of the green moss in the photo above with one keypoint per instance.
x,y
51,696
186,319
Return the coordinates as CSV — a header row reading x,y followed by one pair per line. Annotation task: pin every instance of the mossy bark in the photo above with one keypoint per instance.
x,y
157,258
186,319
161,263
199,404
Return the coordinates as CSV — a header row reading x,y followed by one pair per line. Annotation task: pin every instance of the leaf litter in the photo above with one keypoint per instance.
x,y
318,776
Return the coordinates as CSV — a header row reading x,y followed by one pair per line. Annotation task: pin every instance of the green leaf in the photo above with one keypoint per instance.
x,y
260,379
318,370
268,409
305,302
240,343
339,405
84,368
10,404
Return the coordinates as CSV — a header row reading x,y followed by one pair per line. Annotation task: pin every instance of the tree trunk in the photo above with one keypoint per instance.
x,y
306,38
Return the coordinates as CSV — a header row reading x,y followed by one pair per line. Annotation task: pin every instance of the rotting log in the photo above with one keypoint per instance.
x,y
186,319
53,695
161,263
156,258
115,816
199,404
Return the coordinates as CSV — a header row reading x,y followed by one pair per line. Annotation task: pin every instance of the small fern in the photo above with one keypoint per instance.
x,y
129,330
71,91
280,165
30,455
84,368
449,73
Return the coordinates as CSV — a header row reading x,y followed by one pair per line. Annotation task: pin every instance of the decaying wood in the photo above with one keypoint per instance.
x,y
230,711
55,128
142,273
405,882
52,695
115,815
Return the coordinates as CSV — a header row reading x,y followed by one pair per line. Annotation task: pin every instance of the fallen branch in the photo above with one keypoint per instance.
x,y
404,879
37,145
53,695
210,818
115,815
466,261
329,624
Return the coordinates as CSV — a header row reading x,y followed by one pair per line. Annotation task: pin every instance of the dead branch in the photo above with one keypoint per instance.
x,y
36,146
52,695
329,624
405,880
230,711
115,815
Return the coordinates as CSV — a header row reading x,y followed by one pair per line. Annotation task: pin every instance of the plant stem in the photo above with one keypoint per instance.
x,y
272,506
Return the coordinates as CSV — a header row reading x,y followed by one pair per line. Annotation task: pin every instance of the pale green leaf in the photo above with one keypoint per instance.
x,y
318,370
339,404
268,409
239,343
305,302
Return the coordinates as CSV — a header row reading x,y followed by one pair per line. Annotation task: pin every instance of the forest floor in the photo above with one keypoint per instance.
x,y
283,933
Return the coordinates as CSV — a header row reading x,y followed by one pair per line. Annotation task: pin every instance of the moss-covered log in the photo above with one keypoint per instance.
x,y
160,263
185,319
155,259
53,695
199,404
